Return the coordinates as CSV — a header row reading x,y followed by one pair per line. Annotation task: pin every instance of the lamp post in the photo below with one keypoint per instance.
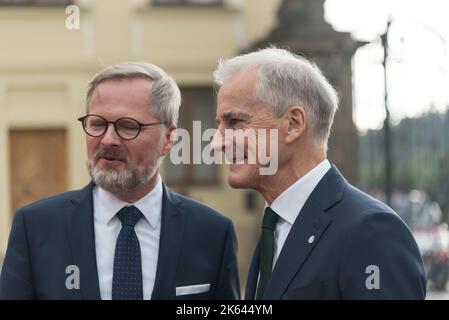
x,y
386,128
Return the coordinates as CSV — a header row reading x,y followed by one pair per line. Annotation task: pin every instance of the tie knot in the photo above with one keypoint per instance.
x,y
269,219
129,216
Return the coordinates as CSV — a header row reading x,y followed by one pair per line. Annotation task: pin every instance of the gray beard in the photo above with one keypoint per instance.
x,y
122,182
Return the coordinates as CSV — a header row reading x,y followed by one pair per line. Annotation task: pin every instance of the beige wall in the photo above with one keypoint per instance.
x,y
260,18
40,101
44,69
4,181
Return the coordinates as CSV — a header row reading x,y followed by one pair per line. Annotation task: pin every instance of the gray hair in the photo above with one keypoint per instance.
x,y
164,96
285,80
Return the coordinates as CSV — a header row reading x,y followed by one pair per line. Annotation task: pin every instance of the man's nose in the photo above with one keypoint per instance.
x,y
110,137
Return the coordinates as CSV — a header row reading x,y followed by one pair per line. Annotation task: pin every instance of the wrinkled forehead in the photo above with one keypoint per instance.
x,y
240,83
237,92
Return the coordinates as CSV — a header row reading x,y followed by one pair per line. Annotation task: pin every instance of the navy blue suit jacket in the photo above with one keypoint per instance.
x,y
197,246
335,245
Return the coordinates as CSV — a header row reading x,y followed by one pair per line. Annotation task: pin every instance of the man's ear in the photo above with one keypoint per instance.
x,y
296,119
169,139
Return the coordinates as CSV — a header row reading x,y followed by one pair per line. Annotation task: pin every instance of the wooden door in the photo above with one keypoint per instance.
x,y
38,165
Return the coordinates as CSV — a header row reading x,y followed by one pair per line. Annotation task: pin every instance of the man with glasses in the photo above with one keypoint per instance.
x,y
125,235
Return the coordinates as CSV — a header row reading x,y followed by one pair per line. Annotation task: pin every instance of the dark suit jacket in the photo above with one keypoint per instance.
x,y
352,231
197,246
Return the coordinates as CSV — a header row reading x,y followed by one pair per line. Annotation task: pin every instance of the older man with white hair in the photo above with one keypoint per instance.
x,y
321,237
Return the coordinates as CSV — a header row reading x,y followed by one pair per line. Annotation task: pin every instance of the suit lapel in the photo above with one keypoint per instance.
x,y
311,222
253,275
306,232
81,235
170,243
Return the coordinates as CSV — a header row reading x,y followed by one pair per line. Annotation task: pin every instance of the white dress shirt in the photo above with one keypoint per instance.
x,y
107,227
290,202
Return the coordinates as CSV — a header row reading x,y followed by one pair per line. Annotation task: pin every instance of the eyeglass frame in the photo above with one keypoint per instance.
x,y
114,123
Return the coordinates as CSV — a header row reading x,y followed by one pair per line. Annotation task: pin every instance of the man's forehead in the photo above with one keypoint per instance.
x,y
235,101
135,84
122,89
240,85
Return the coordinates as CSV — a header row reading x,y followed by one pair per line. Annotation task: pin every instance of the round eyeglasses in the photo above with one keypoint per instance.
x,y
126,128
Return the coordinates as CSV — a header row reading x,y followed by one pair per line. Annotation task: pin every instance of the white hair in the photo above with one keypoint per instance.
x,y
285,80
164,96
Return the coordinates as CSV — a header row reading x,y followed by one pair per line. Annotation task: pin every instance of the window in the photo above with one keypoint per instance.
x,y
188,2
198,104
35,2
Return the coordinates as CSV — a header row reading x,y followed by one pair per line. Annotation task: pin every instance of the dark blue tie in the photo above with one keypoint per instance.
x,y
127,278
266,250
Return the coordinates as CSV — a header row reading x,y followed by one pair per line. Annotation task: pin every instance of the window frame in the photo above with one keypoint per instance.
x,y
187,111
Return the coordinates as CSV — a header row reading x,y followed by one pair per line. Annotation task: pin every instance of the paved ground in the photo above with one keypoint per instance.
x,y
437,295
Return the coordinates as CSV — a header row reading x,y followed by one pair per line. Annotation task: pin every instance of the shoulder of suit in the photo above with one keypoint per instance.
x,y
365,201
52,204
361,208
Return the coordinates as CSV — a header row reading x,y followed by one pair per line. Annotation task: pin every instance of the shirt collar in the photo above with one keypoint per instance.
x,y
150,205
290,202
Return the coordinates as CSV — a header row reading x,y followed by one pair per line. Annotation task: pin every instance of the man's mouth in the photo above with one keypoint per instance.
x,y
110,159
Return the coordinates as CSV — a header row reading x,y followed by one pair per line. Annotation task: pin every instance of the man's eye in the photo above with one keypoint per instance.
x,y
129,127
233,121
97,124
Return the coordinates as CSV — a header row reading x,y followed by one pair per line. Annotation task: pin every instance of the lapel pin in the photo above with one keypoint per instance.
x,y
311,239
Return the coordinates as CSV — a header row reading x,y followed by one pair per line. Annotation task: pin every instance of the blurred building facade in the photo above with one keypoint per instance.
x,y
45,68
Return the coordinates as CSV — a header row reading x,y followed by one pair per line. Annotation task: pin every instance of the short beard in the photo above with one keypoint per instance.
x,y
123,182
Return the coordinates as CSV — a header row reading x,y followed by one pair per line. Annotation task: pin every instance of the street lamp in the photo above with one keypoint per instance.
x,y
386,127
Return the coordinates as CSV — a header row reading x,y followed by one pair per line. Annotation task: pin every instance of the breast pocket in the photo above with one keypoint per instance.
x,y
195,292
